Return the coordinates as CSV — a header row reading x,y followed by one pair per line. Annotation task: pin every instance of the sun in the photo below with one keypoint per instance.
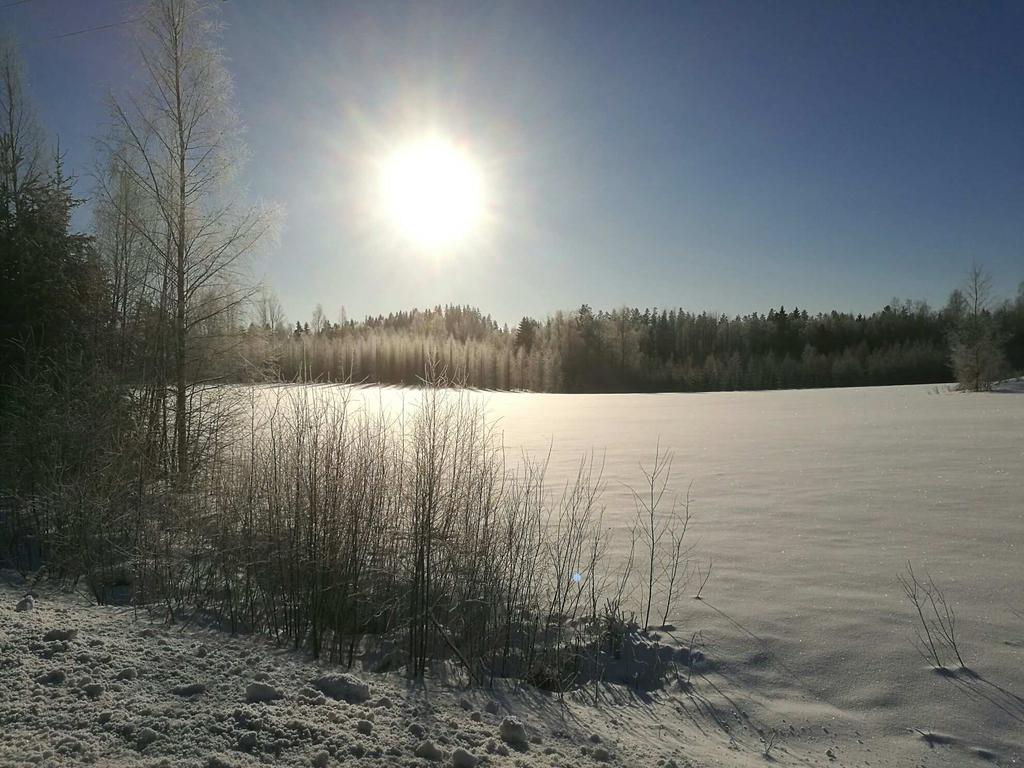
x,y
432,192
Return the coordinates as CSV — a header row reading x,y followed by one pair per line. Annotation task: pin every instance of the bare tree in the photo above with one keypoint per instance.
x,y
269,312
974,347
181,144
20,137
120,208
319,319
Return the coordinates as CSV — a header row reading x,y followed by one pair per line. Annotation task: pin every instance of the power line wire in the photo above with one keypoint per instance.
x,y
77,31
90,29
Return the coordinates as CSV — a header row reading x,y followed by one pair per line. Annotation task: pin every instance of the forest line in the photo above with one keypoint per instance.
x,y
628,349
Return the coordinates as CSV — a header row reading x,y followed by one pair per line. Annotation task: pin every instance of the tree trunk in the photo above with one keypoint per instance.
x,y
181,383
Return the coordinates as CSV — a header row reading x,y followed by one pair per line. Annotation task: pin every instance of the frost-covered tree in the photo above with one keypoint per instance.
x,y
269,312
975,352
180,141
136,275
320,321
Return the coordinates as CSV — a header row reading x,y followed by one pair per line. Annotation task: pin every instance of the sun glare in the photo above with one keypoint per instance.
x,y
432,192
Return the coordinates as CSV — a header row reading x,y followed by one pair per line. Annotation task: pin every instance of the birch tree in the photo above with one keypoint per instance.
x,y
178,138
974,349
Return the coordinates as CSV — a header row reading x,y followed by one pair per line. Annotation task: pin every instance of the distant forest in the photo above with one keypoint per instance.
x,y
625,350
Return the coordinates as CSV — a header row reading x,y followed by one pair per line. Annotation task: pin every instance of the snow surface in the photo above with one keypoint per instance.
x,y
810,502
94,685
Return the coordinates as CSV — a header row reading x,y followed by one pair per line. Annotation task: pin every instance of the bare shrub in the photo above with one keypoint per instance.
x,y
703,575
662,533
391,539
936,630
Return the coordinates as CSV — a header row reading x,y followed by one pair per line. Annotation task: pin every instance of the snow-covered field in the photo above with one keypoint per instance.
x,y
810,503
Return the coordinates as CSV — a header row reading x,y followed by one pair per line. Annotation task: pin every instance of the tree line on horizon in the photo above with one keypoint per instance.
x,y
628,349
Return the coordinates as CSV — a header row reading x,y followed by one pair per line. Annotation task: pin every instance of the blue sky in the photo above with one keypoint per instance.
x,y
729,156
